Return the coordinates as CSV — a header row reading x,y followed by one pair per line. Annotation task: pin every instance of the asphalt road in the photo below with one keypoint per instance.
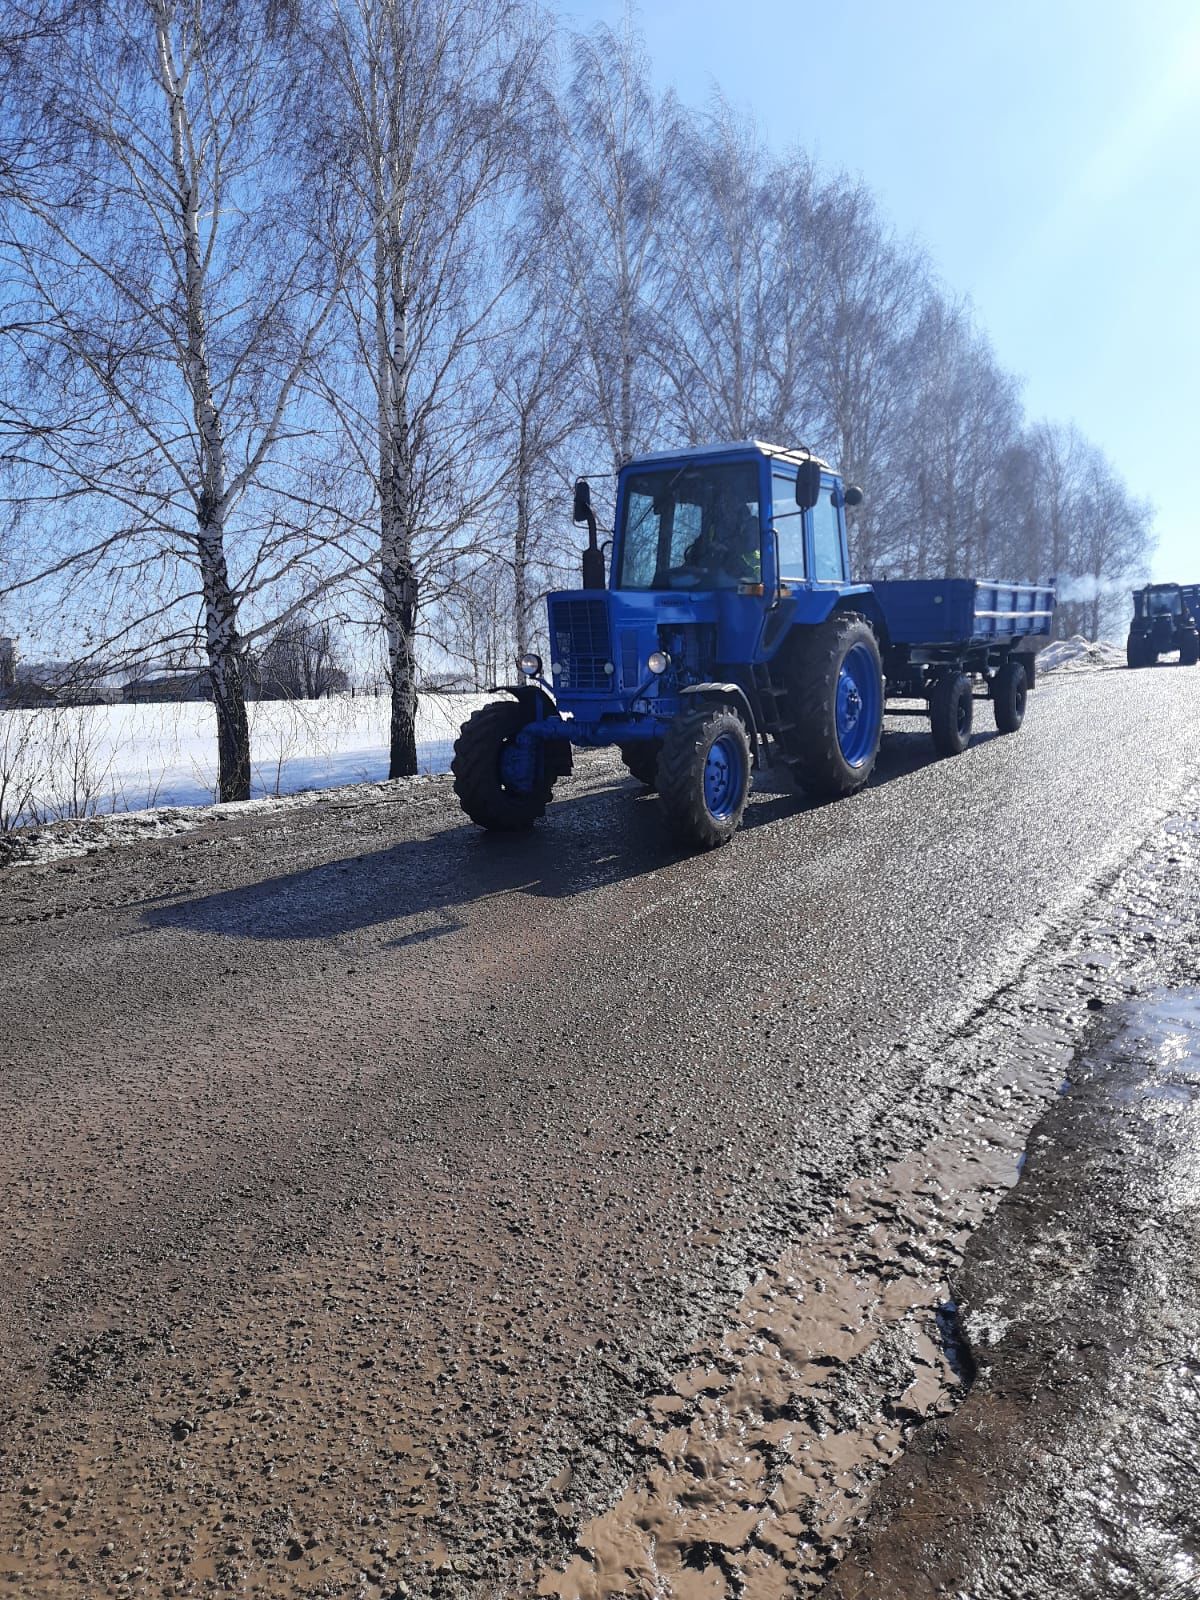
x,y
363,1174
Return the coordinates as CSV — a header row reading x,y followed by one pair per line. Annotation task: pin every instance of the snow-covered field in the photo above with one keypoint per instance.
x,y
92,759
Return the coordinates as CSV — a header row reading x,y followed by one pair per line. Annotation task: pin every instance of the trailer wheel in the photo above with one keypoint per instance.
x,y
834,679
1189,649
704,775
951,713
641,760
1009,694
488,780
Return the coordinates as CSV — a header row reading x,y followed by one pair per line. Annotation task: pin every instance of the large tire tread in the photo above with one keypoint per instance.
x,y
815,657
476,771
1009,694
680,776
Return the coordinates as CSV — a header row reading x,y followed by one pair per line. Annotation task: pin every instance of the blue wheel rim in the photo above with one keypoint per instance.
x,y
724,776
859,701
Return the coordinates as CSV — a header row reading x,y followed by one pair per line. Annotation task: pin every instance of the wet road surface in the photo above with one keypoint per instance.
x,y
366,1178
1071,1468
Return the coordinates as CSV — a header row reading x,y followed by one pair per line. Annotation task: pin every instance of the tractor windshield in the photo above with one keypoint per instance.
x,y
1164,602
691,528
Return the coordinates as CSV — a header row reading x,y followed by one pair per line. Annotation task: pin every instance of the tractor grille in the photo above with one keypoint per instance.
x,y
579,642
631,667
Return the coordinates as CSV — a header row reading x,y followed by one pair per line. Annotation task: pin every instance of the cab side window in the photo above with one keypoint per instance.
x,y
789,530
828,566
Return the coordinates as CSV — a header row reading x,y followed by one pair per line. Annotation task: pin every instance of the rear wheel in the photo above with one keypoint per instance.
x,y
704,775
951,713
641,760
1139,652
835,695
1009,694
1189,649
500,785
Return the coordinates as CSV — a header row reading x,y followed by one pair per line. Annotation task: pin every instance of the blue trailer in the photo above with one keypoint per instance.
x,y
728,631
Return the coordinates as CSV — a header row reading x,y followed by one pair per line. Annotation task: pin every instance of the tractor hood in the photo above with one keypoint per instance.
x,y
600,639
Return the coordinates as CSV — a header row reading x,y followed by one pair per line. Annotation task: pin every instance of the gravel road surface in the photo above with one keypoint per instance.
x,y
385,1203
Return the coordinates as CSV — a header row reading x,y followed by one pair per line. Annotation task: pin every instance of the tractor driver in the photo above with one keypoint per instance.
x,y
728,551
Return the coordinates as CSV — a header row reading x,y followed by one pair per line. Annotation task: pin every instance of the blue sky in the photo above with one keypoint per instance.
x,y
1046,156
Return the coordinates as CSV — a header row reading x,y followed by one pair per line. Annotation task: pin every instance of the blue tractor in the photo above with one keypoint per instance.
x,y
730,629
1166,618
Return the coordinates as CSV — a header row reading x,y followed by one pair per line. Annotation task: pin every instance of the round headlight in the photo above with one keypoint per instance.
x,y
530,665
658,661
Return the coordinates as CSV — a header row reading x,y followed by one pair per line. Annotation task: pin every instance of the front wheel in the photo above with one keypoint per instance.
x,y
704,775
1009,694
1189,649
500,784
951,713
835,694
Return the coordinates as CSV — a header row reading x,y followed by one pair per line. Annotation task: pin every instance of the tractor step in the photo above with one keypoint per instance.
x,y
774,701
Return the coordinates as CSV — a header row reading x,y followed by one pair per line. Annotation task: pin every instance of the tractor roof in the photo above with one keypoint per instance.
x,y
777,452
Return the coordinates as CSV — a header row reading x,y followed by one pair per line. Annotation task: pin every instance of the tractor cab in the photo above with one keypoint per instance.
x,y
1158,600
716,552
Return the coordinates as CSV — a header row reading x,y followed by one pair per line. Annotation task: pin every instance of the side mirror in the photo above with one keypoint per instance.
x,y
583,500
852,495
808,484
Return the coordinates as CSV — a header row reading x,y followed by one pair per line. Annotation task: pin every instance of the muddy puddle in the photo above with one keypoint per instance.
x,y
762,1456
1071,1468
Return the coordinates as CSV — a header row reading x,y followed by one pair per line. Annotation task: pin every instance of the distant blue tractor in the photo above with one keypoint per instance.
x,y
1166,618
731,629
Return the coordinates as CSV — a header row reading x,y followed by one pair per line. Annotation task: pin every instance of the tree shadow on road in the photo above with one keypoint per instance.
x,y
587,841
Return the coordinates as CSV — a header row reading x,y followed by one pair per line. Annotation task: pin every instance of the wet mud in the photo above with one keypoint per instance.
x,y
859,1354
1072,1467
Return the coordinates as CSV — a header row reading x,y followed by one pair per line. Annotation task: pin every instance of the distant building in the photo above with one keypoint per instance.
x,y
162,687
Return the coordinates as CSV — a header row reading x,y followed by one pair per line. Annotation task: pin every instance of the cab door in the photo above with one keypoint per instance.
x,y
828,535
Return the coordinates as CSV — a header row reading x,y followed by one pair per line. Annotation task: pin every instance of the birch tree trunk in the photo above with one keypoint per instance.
x,y
222,644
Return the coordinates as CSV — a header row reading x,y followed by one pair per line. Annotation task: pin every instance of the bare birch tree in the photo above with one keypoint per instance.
x,y
745,276
174,286
540,411
426,105
607,198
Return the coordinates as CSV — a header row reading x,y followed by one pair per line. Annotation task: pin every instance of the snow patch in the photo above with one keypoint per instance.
x,y
91,777
85,761
1078,654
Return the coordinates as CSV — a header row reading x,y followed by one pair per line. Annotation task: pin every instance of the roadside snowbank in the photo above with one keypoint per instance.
x,y
1078,654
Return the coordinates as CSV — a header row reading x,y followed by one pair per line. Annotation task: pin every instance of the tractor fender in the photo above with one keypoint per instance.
x,y
532,696
725,692
866,606
539,704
